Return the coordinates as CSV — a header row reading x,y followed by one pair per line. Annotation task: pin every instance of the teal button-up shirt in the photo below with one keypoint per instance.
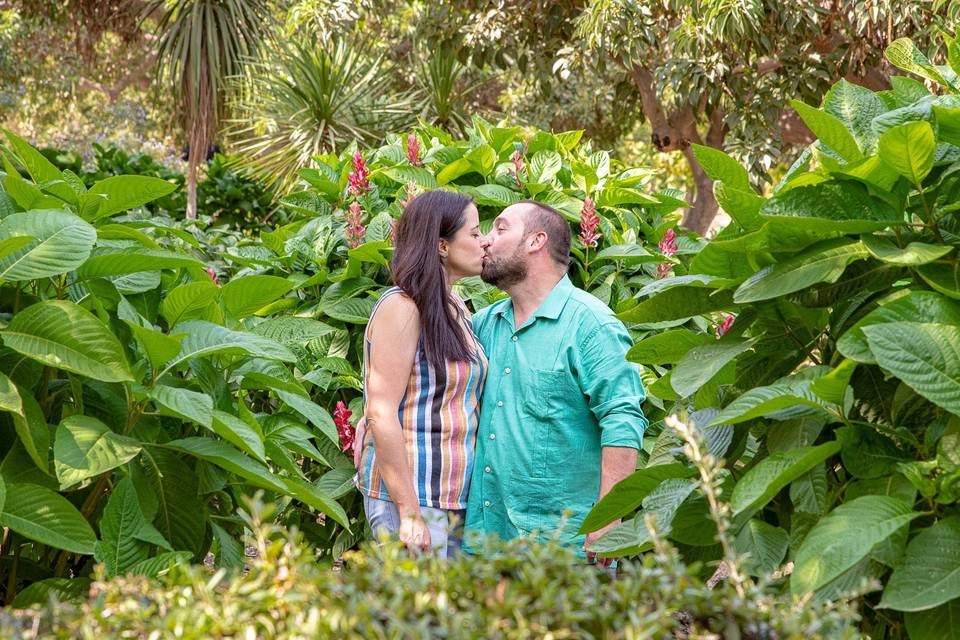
x,y
559,389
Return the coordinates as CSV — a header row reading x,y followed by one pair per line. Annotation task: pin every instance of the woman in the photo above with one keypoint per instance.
x,y
423,377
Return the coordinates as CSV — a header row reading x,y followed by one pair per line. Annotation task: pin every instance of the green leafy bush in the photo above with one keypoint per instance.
x,y
832,383
139,390
522,589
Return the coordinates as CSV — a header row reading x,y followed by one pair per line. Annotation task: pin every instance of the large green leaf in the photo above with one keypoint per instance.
x,y
829,130
65,336
926,356
823,262
722,168
183,403
314,496
493,195
544,166
909,149
856,107
667,347
743,206
943,277
43,172
179,513
633,536
190,301
844,537
226,457
782,394
628,494
676,304
764,546
9,396
417,175
134,260
244,296
352,310
239,433
940,623
926,305
703,362
85,447
842,206
158,347
31,427
903,54
292,330
765,480
912,255
119,193
203,339
46,517
930,573
60,243
867,453
123,528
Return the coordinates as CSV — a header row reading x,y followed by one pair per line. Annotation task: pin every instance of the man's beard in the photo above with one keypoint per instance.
x,y
504,272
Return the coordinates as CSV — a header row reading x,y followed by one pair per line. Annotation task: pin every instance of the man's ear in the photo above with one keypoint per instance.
x,y
537,240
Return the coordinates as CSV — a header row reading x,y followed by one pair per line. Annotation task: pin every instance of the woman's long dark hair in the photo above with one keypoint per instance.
x,y
417,270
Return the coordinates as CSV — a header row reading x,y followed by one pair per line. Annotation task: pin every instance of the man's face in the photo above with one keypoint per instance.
x,y
504,254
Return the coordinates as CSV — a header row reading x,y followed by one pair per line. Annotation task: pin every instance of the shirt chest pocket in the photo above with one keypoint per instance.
x,y
548,393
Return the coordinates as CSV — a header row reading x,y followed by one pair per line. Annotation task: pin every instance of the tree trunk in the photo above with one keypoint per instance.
x,y
192,163
675,132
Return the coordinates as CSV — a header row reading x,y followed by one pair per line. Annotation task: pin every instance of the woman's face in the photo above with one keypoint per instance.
x,y
464,253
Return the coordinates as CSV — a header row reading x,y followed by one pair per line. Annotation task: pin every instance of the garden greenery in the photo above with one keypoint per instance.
x,y
813,346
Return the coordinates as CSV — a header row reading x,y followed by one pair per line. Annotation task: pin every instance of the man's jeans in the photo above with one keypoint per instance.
x,y
445,525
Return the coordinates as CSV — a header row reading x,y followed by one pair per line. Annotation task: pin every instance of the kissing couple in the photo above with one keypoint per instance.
x,y
511,422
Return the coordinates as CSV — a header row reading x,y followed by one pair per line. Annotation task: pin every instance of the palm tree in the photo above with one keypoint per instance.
x,y
202,43
305,99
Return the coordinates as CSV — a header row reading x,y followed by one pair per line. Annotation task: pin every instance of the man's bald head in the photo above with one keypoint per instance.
x,y
538,217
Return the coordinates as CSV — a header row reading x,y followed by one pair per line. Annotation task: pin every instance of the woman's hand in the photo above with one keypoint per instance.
x,y
414,533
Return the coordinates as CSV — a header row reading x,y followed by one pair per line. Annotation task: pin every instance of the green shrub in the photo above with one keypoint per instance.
x,y
832,388
521,589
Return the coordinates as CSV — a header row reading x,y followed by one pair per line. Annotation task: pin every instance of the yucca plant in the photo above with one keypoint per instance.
x,y
201,44
304,100
442,85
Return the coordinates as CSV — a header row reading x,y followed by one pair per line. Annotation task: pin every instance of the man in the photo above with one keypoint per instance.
x,y
561,419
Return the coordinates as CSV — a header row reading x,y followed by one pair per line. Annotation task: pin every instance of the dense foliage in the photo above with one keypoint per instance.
x,y
830,384
521,590
154,371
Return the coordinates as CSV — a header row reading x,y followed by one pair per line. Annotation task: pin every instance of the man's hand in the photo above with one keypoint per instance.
x,y
592,538
414,533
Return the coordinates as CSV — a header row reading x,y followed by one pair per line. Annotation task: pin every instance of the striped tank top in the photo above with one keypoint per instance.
x,y
439,414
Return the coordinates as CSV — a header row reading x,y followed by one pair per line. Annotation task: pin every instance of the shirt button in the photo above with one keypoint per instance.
x,y
486,503
493,436
514,338
507,370
488,469
500,403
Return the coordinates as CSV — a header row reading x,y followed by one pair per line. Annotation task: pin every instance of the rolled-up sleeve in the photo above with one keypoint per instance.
x,y
612,385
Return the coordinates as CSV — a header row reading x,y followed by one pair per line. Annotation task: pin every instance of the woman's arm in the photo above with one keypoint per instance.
x,y
394,333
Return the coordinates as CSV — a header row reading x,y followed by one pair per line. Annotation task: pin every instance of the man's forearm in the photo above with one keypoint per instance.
x,y
617,463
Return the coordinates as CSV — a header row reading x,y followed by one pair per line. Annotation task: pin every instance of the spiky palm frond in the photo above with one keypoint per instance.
x,y
305,100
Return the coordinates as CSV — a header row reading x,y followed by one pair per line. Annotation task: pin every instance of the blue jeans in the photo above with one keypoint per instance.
x,y
445,525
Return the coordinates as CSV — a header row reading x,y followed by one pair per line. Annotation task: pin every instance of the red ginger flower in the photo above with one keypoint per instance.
x,y
358,178
413,150
724,326
341,418
668,246
213,275
355,231
663,270
589,221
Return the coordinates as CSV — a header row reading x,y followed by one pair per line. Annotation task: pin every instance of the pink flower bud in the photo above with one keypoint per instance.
x,y
668,245
355,231
358,178
213,275
663,270
724,326
589,221
413,150
341,418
